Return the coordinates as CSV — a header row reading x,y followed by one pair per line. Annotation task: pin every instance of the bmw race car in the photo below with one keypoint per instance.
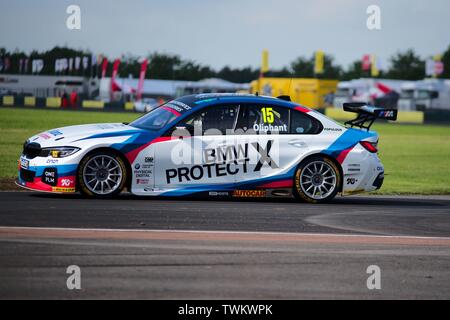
x,y
222,145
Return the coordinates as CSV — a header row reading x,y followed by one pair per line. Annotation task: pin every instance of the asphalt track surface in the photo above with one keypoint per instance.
x,y
223,249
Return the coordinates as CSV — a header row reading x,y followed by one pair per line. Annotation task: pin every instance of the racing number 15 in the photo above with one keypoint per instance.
x,y
267,115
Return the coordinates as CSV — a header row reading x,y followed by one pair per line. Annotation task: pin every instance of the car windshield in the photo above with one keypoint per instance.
x,y
155,120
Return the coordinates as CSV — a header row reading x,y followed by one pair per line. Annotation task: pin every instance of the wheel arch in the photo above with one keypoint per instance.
x,y
118,153
338,165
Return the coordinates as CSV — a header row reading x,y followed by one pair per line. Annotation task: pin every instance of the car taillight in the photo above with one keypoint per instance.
x,y
369,146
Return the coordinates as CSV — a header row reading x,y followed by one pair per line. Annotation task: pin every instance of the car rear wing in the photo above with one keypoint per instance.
x,y
368,114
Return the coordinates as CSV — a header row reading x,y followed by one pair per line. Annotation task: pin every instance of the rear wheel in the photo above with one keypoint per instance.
x,y
317,180
101,174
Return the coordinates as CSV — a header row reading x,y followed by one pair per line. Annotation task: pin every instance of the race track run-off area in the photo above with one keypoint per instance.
x,y
155,248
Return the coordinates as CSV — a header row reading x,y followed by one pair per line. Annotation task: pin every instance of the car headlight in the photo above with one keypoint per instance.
x,y
58,152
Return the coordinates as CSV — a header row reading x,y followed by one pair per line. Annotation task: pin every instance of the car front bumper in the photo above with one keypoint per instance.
x,y
42,174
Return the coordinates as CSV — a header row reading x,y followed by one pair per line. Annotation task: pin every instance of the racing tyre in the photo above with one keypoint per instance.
x,y
317,180
101,174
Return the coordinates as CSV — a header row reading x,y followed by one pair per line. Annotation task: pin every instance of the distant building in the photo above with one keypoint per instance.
x,y
46,86
167,89
56,86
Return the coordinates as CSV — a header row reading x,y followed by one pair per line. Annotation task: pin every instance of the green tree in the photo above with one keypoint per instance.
x,y
130,65
331,69
354,71
163,66
243,75
192,71
406,66
304,68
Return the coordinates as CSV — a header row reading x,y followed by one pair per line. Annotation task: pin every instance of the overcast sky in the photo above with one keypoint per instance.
x,y
230,32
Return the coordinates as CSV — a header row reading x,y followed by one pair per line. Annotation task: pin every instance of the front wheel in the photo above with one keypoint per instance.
x,y
101,174
317,180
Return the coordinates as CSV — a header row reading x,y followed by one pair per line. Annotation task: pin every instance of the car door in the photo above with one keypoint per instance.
x,y
276,138
199,154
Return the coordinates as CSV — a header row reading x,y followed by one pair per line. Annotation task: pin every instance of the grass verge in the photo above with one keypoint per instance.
x,y
416,157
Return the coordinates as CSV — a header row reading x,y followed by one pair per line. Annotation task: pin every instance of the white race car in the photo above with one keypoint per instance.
x,y
215,145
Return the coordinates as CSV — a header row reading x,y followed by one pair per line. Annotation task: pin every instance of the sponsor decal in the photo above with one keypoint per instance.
x,y
44,136
209,171
386,114
264,153
226,154
229,160
268,127
332,129
55,132
109,126
179,105
249,193
52,161
59,189
143,173
218,193
351,181
24,163
176,107
355,167
137,166
67,183
148,164
50,177
142,181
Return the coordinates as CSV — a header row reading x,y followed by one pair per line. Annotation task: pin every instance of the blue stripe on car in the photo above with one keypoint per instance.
x,y
111,134
63,169
251,184
347,140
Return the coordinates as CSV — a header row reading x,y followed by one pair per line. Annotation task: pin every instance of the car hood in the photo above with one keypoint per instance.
x,y
66,135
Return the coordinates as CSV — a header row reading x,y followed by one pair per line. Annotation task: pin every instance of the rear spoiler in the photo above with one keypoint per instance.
x,y
368,114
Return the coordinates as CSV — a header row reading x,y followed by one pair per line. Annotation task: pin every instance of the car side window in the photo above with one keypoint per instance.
x,y
213,120
263,119
303,124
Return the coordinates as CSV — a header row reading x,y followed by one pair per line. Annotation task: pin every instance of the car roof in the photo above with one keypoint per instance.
x,y
214,98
